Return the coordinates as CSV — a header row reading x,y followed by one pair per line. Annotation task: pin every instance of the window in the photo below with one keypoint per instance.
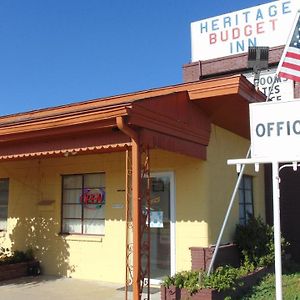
x,y
3,203
246,199
83,203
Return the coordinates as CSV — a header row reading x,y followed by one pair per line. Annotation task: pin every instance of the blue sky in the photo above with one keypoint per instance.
x,y
54,52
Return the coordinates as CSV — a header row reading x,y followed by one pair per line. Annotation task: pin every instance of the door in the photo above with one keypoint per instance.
x,y
162,226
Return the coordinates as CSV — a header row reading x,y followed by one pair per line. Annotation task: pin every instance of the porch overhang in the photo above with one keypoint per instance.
x,y
227,103
176,118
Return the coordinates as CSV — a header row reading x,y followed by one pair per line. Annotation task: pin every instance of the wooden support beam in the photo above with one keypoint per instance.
x,y
136,205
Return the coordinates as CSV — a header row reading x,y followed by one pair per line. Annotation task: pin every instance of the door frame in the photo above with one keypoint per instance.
x,y
171,175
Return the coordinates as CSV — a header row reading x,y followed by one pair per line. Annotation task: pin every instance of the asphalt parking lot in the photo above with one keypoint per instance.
x,y
56,288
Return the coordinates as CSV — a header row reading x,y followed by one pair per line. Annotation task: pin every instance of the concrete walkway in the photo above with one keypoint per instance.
x,y
48,287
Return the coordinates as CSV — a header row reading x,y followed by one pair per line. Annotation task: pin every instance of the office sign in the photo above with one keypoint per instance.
x,y
275,129
283,89
264,25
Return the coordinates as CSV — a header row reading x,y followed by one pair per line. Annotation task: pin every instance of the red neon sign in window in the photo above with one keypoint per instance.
x,y
94,197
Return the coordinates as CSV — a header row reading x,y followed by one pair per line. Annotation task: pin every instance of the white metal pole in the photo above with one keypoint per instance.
x,y
277,232
237,184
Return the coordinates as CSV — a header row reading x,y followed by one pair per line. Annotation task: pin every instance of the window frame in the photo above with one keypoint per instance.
x,y
6,179
242,202
82,219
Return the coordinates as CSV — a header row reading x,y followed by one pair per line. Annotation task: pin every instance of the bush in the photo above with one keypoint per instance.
x,y
184,279
223,278
255,241
4,252
16,257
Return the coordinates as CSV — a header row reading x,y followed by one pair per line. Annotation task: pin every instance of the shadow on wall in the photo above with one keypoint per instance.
x,y
50,248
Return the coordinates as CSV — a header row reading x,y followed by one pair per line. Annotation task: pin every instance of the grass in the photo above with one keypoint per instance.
x,y
266,289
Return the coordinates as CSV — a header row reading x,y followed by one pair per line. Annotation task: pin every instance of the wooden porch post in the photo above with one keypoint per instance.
x,y
136,206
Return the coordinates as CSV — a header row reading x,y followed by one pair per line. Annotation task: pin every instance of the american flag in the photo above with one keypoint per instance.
x,y
289,66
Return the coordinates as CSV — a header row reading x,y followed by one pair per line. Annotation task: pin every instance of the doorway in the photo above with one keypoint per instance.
x,y
162,226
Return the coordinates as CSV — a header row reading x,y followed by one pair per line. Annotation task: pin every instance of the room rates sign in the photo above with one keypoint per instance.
x,y
275,129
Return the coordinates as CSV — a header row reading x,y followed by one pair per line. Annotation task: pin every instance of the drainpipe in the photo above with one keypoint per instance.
x,y
136,204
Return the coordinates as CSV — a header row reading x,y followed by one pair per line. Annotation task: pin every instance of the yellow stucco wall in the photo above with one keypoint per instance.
x,y
203,191
38,226
202,188
223,146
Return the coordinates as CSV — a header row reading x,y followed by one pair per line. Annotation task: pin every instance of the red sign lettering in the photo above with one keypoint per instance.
x,y
95,196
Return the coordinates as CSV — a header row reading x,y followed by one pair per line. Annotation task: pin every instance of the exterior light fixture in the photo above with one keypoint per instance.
x,y
258,59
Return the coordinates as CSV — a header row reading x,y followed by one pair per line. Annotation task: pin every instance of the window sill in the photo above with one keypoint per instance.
x,y
82,238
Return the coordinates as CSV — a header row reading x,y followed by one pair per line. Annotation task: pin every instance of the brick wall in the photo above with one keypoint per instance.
x,y
224,65
227,255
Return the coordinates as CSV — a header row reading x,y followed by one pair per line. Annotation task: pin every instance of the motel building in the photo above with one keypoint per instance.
x,y
108,189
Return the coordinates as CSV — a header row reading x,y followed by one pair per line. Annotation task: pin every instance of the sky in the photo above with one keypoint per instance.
x,y
55,52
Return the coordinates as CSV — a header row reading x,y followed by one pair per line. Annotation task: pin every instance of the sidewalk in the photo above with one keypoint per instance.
x,y
54,288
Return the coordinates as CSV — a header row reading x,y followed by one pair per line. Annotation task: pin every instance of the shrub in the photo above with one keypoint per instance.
x,y
16,257
3,252
184,279
223,278
255,241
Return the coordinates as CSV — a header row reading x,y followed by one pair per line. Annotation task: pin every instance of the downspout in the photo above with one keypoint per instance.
x,y
136,204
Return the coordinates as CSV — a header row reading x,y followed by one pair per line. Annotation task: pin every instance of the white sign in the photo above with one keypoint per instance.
x,y
156,219
264,25
275,129
283,89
